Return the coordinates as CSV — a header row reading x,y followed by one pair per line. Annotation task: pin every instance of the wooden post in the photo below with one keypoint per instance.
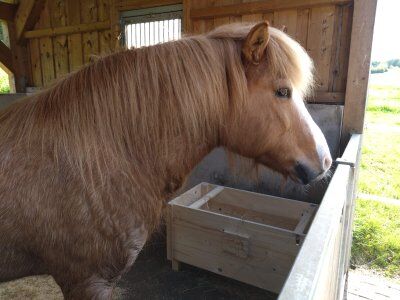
x,y
359,66
187,22
19,61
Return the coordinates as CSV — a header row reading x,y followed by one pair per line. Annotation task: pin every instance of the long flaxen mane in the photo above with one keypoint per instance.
x,y
125,115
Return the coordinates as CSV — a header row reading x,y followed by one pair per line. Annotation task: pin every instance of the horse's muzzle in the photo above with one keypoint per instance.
x,y
306,174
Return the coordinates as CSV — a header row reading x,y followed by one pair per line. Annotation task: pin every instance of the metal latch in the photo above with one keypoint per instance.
x,y
343,161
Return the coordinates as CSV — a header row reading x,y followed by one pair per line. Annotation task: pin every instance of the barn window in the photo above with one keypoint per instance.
x,y
150,26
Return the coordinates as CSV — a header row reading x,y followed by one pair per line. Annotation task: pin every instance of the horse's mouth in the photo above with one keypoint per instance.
x,y
305,175
299,173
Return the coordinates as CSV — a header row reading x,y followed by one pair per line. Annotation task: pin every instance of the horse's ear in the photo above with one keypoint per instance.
x,y
256,41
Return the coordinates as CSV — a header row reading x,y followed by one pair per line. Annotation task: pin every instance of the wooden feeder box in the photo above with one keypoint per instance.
x,y
250,237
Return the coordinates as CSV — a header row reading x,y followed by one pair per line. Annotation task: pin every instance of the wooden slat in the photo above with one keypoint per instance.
x,y
105,40
46,49
303,16
252,18
7,11
319,43
203,200
358,74
305,220
269,17
233,18
223,20
90,40
137,4
6,57
327,97
20,62
73,29
28,14
286,19
60,46
339,73
259,7
340,51
187,22
36,68
75,54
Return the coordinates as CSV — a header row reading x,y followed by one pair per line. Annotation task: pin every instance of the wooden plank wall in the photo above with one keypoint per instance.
x,y
322,27
54,56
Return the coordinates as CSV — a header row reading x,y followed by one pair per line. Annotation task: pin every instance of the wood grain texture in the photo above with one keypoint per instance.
x,y
187,22
319,43
46,49
72,29
286,19
251,18
259,7
58,16
90,40
358,73
27,16
105,37
36,68
75,52
303,16
207,229
138,4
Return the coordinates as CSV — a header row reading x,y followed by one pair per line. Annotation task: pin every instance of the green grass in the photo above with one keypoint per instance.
x,y
376,242
380,164
4,85
380,168
376,237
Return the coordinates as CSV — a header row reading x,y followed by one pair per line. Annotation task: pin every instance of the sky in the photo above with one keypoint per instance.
x,y
386,42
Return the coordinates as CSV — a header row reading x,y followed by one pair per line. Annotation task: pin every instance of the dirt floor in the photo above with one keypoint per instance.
x,y
150,278
153,278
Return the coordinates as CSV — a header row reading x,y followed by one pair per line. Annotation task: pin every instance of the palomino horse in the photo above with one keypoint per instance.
x,y
87,165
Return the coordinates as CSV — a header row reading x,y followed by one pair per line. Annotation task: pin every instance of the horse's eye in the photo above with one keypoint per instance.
x,y
283,93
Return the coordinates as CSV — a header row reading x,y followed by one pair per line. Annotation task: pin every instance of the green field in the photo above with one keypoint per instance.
x,y
4,85
376,242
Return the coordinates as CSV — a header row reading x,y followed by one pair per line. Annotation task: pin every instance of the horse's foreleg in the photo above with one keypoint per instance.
x,y
100,284
16,264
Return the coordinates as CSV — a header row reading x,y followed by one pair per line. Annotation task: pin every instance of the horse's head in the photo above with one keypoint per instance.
x,y
273,125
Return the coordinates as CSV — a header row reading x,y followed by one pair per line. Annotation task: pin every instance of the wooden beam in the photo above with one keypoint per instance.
x,y
260,7
50,32
359,66
138,4
7,11
28,14
327,97
6,57
187,23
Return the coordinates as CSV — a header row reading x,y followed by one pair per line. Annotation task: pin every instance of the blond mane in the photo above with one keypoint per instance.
x,y
125,115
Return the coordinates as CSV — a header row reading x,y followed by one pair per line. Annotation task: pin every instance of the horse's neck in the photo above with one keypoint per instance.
x,y
178,167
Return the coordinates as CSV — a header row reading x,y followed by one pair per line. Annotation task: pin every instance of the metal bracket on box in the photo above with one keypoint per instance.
x,y
343,161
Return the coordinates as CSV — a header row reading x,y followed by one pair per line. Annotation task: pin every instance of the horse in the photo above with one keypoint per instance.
x,y
87,165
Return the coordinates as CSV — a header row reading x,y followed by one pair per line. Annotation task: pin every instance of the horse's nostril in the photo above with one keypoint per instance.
x,y
327,162
303,173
